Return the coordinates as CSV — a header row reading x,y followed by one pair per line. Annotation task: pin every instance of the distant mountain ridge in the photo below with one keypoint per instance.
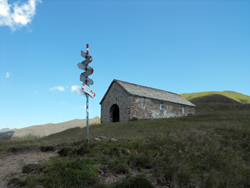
x,y
47,129
6,129
239,97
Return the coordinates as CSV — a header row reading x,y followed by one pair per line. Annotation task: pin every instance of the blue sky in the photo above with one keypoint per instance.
x,y
178,46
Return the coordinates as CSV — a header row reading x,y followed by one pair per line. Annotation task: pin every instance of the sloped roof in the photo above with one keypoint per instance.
x,y
150,93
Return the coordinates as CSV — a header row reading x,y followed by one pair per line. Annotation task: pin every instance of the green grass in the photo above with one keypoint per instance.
x,y
18,144
209,149
67,135
96,122
136,182
245,99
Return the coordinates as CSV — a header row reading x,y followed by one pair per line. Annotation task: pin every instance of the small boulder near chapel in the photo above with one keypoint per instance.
x,y
125,101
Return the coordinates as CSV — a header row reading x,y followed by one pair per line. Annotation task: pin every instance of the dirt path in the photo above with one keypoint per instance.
x,y
11,165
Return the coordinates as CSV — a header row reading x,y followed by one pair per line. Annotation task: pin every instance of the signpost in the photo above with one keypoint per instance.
x,y
86,82
88,91
89,71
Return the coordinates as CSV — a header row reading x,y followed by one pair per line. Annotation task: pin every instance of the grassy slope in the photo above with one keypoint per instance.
x,y
231,94
210,149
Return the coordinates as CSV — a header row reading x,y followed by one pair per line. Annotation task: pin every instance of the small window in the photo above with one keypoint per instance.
x,y
161,106
183,110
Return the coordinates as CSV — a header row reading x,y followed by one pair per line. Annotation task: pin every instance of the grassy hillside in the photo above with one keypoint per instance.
x,y
245,99
215,98
209,149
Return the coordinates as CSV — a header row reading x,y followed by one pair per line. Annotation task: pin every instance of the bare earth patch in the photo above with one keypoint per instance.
x,y
11,165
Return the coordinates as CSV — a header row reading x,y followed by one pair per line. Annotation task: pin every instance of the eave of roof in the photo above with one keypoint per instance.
x,y
149,93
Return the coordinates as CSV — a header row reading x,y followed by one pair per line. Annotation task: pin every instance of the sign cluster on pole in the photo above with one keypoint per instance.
x,y
84,77
84,66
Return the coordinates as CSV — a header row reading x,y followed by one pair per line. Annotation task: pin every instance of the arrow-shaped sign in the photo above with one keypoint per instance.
x,y
87,56
83,54
82,66
80,92
85,62
86,79
87,90
88,72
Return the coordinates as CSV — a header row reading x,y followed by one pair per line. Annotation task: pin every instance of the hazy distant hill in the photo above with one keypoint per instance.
x,y
69,134
47,129
6,134
4,130
245,99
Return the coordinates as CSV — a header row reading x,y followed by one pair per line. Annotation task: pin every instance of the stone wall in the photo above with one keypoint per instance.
x,y
116,95
143,108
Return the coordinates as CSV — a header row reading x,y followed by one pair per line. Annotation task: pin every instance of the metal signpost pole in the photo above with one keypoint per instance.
x,y
87,101
86,90
87,116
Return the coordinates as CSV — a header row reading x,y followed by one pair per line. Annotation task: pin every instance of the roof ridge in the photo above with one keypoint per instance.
x,y
154,93
145,86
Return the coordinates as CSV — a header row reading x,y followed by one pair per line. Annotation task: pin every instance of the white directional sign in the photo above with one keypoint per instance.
x,y
87,90
80,92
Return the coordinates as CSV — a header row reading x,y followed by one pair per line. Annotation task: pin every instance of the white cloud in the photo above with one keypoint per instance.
x,y
74,88
59,88
78,90
16,15
63,103
8,74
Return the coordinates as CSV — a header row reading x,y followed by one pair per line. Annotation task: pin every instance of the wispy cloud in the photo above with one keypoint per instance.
x,y
59,88
74,88
17,14
63,103
8,74
78,90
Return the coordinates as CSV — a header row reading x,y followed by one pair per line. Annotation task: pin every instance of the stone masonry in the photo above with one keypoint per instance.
x,y
143,108
115,95
125,101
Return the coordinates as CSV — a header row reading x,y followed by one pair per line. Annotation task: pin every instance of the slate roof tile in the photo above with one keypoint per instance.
x,y
152,93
